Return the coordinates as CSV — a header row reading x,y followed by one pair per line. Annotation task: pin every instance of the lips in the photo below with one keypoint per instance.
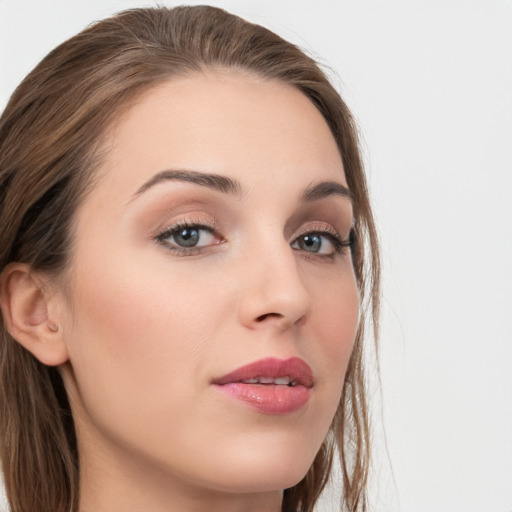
x,y
271,386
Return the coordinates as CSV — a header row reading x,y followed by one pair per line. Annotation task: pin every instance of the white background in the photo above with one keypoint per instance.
x,y
431,86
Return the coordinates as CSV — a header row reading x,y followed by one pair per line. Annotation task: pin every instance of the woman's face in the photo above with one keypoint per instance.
x,y
211,251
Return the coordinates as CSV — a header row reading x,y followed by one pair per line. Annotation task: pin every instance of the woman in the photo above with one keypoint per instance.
x,y
188,255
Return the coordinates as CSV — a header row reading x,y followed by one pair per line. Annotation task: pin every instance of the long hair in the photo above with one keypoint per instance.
x,y
50,133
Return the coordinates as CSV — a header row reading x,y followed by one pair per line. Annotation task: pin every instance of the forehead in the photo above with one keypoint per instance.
x,y
250,128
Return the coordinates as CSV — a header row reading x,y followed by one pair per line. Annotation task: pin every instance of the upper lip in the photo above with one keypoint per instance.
x,y
296,369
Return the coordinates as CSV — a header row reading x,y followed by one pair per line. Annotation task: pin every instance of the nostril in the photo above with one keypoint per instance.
x,y
262,318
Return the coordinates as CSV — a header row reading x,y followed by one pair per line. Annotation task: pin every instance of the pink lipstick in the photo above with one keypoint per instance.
x,y
272,386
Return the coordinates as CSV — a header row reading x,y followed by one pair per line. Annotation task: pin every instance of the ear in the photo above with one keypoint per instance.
x,y
25,301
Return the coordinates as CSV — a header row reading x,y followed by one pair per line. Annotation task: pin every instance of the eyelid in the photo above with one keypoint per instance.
x,y
201,221
316,226
340,244
190,219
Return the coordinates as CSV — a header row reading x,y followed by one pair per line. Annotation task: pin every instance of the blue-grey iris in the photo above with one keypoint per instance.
x,y
311,243
187,237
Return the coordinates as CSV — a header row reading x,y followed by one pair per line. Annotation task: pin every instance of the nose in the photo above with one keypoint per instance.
x,y
272,290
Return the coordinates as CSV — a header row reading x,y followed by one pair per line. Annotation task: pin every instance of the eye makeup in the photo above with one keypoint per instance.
x,y
191,235
195,235
193,222
321,240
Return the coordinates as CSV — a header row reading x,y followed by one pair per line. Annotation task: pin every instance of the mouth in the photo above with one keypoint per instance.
x,y
271,385
277,381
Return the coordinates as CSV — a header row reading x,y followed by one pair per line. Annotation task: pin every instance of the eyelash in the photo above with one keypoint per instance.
x,y
181,226
339,244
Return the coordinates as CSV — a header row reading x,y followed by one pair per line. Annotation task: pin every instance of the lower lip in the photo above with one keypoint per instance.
x,y
268,398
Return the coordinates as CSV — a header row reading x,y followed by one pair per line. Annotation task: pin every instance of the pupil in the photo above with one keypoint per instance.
x,y
187,237
311,243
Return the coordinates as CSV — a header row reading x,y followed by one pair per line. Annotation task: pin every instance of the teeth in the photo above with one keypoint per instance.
x,y
283,381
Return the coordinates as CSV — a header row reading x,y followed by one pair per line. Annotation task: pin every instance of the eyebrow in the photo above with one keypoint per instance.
x,y
324,189
213,181
313,192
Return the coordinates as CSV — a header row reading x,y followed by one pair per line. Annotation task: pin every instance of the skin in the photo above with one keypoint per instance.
x,y
146,329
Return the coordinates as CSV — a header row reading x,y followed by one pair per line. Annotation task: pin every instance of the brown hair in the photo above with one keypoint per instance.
x,y
49,135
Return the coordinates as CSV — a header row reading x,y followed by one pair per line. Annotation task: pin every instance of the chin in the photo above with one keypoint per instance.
x,y
278,478
268,480
263,469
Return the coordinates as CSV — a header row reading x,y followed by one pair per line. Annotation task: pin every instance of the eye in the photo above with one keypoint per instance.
x,y
190,236
315,243
185,238
320,243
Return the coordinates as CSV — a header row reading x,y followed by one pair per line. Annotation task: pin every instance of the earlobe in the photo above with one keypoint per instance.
x,y
25,309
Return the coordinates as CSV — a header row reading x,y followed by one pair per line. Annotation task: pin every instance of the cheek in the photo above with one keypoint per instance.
x,y
334,325
336,314
132,335
134,312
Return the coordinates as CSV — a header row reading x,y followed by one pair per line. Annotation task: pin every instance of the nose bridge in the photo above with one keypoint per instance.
x,y
273,291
